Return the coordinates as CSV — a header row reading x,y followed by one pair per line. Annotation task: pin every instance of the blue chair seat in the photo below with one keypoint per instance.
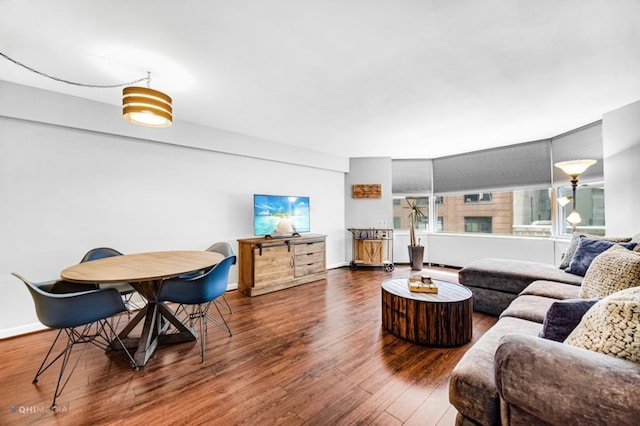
x,y
82,315
199,292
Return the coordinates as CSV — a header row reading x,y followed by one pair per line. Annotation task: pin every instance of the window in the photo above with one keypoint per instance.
x,y
478,198
474,192
522,212
482,224
401,210
590,206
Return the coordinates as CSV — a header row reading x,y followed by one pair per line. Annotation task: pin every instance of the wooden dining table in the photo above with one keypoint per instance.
x,y
146,272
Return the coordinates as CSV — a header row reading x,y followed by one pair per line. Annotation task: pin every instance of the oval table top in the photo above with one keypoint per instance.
x,y
447,292
140,267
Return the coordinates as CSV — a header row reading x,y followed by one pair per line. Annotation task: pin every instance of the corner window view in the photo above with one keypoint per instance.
x,y
522,212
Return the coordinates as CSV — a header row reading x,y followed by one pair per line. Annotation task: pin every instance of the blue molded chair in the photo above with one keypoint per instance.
x,y
82,316
199,292
224,249
125,289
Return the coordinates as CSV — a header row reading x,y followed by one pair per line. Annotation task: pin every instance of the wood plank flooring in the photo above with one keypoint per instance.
x,y
309,355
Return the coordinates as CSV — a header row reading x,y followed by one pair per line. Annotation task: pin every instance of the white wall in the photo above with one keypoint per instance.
x,y
367,212
621,149
461,249
64,190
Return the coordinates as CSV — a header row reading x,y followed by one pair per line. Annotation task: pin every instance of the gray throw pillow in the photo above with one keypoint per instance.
x,y
575,239
588,249
563,316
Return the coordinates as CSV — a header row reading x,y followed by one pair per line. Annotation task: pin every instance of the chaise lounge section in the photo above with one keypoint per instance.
x,y
496,283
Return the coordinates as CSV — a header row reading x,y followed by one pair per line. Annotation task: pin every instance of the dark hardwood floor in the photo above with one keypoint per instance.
x,y
314,355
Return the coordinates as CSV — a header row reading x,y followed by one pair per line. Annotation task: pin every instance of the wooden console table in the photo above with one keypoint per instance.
x,y
442,319
266,265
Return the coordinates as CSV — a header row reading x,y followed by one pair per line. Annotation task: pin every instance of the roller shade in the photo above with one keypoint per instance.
x,y
521,166
411,176
585,142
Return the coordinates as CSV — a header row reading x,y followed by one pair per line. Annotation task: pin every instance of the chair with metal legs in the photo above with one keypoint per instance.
x,y
126,290
199,292
224,249
83,316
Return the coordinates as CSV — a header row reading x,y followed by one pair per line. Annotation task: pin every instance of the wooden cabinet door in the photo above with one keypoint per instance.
x,y
371,251
273,265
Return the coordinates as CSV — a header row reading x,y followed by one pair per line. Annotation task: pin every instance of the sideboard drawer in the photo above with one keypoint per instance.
x,y
304,248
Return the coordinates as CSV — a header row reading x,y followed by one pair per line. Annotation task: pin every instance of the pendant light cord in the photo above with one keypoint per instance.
x,y
98,86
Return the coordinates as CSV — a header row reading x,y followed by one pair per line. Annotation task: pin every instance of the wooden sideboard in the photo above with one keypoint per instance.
x,y
266,265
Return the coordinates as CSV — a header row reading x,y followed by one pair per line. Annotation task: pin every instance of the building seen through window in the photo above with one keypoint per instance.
x,y
521,212
401,212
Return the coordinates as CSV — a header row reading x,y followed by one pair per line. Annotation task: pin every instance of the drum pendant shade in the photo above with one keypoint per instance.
x,y
146,107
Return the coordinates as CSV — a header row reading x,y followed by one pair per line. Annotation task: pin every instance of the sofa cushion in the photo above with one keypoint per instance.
x,y
563,316
552,289
611,326
559,384
472,388
575,239
532,308
491,302
611,271
588,249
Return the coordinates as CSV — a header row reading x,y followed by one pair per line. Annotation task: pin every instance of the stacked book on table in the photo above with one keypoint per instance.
x,y
422,284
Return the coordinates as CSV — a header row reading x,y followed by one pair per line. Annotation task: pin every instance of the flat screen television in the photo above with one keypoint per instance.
x,y
280,215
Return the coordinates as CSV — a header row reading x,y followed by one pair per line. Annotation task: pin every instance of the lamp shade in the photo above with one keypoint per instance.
x,y
563,201
575,167
146,107
574,218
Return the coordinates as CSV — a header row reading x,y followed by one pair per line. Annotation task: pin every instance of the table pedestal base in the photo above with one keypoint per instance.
x,y
157,319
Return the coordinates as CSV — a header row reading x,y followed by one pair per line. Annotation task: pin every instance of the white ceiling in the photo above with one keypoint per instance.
x,y
357,78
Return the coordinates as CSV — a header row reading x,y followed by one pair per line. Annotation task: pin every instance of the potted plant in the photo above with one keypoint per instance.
x,y
416,251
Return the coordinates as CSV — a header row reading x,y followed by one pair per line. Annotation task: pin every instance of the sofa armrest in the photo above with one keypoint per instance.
x,y
562,384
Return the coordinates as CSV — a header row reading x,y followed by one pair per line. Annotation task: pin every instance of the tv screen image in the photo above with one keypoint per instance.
x,y
280,214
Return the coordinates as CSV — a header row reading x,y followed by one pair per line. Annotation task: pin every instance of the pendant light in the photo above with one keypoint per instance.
x,y
146,106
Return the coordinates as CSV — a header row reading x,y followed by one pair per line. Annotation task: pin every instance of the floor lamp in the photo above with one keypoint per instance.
x,y
573,168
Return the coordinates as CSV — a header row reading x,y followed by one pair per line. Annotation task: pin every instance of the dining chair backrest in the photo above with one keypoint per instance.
x,y
100,253
64,310
201,289
223,248
84,318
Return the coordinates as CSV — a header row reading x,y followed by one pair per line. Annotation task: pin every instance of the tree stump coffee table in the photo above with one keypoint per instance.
x,y
442,319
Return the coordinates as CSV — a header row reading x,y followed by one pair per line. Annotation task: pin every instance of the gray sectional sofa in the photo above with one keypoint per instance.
x,y
511,376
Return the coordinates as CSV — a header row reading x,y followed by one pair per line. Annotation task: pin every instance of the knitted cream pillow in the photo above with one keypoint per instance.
x,y
615,269
611,326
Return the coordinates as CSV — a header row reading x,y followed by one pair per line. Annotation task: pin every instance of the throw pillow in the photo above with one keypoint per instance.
x,y
588,249
575,239
611,326
636,239
563,316
611,271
